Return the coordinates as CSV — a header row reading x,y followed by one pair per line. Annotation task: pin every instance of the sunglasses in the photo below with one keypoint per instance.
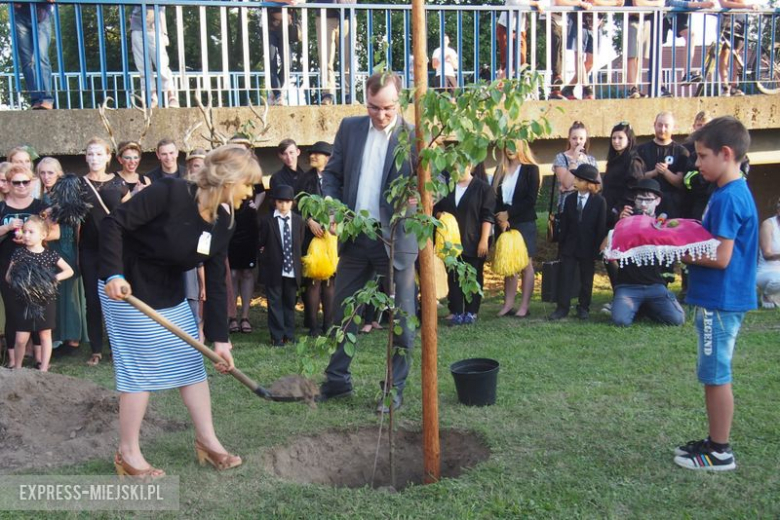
x,y
21,183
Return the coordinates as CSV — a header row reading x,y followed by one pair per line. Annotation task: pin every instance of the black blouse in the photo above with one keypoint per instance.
x,y
111,193
153,239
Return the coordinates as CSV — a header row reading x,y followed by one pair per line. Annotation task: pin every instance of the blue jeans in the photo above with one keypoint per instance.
x,y
655,300
717,332
38,87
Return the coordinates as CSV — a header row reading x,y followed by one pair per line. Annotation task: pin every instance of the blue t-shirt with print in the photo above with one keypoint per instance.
x,y
731,214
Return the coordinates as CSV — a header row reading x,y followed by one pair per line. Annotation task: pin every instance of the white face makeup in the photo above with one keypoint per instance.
x,y
97,158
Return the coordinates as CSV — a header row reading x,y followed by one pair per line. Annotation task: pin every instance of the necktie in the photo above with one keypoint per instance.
x,y
580,204
287,256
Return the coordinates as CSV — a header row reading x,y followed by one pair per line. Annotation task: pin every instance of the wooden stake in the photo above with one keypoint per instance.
x,y
430,404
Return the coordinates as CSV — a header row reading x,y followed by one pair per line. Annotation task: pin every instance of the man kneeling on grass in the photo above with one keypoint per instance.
x,y
721,290
642,288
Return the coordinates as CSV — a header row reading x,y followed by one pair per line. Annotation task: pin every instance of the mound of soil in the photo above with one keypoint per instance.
x,y
49,420
346,459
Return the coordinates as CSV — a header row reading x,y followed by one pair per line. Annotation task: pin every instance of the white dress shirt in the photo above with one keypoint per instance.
x,y
370,185
280,222
508,186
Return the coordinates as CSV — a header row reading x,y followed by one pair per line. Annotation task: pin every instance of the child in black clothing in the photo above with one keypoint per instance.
x,y
583,228
27,319
281,237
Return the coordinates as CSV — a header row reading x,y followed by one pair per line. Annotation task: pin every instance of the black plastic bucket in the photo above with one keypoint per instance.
x,y
476,381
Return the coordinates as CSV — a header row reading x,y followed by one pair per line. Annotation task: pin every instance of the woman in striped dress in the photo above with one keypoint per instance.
x,y
147,244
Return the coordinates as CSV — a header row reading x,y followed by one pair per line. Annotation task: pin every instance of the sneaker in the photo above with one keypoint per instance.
x,y
469,318
606,309
587,93
734,91
457,319
635,93
568,93
555,90
693,77
767,303
556,94
697,455
173,102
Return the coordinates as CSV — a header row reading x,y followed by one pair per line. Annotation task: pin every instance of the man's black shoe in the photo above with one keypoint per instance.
x,y
326,394
582,314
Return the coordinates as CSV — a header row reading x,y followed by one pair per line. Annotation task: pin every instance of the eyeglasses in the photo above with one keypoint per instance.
x,y
130,157
20,183
379,110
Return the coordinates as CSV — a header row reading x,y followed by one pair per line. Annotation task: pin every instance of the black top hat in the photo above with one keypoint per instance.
x,y
588,173
321,147
283,192
650,185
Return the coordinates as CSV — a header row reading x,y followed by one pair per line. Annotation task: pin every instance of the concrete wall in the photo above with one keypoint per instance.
x,y
65,132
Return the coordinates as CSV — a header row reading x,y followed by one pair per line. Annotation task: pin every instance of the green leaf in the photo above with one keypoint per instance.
x,y
349,349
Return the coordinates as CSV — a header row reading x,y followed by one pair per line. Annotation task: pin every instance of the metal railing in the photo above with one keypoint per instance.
x,y
237,52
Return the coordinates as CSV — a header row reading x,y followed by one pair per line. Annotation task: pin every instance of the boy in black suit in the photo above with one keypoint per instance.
x,y
583,228
281,236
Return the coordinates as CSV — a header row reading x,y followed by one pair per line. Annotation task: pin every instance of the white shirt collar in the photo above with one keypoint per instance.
x,y
278,214
388,130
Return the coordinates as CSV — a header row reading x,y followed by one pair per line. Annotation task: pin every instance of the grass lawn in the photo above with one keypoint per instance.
x,y
585,423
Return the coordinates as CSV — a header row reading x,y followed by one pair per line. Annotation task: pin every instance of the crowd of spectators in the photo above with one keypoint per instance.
x,y
149,41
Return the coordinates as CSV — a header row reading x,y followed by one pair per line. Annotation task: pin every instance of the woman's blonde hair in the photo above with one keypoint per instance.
x,y
16,169
225,167
56,166
17,150
522,153
101,142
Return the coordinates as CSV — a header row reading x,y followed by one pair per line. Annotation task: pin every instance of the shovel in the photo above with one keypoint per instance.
x,y
203,349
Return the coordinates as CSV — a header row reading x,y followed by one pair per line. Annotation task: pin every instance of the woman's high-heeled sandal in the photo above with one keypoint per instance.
x,y
124,469
94,360
220,461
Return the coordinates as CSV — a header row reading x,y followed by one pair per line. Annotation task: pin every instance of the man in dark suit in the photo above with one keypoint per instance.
x,y
281,236
583,228
359,172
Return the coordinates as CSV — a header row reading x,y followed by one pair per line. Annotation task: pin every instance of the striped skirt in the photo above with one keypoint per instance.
x,y
146,355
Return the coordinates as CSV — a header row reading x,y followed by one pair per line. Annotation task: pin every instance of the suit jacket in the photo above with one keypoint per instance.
x,y
271,242
582,239
341,178
523,206
477,205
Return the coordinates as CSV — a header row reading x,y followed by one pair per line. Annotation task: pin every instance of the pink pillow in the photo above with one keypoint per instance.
x,y
645,240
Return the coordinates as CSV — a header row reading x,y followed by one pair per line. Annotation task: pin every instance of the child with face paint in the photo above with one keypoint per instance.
x,y
105,191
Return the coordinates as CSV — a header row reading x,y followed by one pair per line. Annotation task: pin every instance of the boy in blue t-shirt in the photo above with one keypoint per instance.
x,y
721,290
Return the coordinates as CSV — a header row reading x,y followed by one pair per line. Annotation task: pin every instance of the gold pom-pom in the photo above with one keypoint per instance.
x,y
448,232
440,274
511,255
322,258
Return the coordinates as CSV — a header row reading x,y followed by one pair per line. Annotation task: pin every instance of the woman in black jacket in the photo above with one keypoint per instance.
x,y
517,186
624,168
472,202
